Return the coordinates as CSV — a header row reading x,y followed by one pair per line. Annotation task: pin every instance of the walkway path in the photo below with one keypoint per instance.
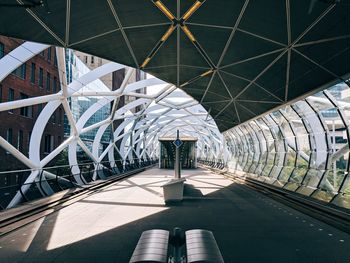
x,y
105,227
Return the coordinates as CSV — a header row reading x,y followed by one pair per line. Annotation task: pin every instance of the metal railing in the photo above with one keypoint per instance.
x,y
58,178
213,163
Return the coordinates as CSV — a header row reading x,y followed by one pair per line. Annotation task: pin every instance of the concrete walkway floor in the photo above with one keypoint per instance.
x,y
105,227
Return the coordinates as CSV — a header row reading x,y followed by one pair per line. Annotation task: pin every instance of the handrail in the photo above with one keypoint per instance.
x,y
15,218
67,165
328,212
103,169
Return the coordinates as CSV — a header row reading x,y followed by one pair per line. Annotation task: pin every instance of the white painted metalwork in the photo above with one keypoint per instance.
x,y
149,116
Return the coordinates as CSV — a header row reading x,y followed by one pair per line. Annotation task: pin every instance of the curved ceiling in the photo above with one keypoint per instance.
x,y
238,58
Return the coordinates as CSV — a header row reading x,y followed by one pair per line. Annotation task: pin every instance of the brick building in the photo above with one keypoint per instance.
x,y
111,81
37,77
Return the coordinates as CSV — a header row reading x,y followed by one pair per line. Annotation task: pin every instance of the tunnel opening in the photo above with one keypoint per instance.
x,y
188,153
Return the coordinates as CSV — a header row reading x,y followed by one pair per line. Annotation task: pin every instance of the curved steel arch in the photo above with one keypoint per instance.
x,y
143,120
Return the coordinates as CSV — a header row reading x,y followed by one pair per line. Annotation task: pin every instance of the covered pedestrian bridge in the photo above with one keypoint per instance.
x,y
260,87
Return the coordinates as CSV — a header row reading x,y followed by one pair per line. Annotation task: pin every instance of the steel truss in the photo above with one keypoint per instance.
x,y
144,120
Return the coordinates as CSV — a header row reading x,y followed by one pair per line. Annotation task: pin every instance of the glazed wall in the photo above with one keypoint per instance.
x,y
302,147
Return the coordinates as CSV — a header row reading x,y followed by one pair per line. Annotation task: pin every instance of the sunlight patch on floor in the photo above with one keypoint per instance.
x,y
131,200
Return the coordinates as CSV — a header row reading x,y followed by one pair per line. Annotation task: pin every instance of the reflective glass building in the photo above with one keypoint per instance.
x,y
75,68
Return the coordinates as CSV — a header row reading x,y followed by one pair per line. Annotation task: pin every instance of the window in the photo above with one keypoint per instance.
x,y
60,116
20,140
41,77
16,179
49,141
53,117
92,59
26,111
9,135
54,84
6,179
20,71
339,139
40,108
11,96
28,141
32,73
86,59
55,59
2,50
49,54
48,81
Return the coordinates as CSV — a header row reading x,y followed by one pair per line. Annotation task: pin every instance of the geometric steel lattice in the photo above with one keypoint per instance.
x,y
143,120
239,58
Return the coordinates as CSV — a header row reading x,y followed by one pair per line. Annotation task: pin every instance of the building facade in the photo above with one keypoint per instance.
x,y
39,76
93,62
75,68
79,63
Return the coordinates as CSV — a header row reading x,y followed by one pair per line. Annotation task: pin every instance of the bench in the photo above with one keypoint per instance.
x,y
201,246
158,246
152,247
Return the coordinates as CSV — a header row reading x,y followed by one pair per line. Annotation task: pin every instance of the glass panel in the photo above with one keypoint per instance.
x,y
290,159
320,103
302,160
332,180
298,175
255,146
340,92
265,129
260,136
318,137
276,171
267,170
285,174
304,144
347,185
259,168
286,128
312,178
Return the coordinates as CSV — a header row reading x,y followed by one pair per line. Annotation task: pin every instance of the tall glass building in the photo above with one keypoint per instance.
x,y
76,68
